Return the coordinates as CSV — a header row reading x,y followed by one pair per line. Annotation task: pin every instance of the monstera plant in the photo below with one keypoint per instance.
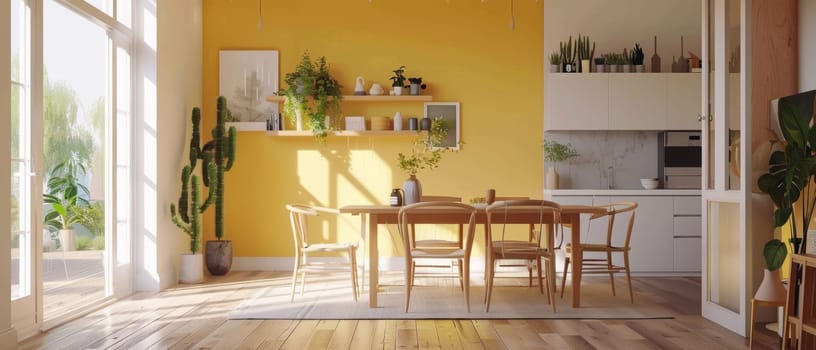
x,y
791,175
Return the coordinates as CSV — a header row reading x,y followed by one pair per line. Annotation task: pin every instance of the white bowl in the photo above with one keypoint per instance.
x,y
650,184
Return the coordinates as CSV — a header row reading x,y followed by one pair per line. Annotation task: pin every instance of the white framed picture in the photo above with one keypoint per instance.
x,y
246,78
449,112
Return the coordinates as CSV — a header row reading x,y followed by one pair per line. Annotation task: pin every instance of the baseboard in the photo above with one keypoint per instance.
x,y
8,338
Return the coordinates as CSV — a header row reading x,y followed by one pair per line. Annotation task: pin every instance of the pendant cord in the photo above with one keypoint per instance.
x,y
260,14
512,17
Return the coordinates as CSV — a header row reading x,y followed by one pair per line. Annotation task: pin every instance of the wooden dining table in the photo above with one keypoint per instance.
x,y
371,216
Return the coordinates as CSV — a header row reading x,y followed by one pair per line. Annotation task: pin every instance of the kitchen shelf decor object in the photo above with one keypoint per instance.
x,y
244,78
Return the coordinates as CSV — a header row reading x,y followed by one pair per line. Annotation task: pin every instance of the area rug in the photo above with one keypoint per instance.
x,y
434,298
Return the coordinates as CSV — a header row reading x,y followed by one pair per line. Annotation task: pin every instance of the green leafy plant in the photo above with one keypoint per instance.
x,y
792,171
555,58
426,152
398,80
65,195
312,91
584,52
625,58
568,52
190,208
774,252
637,55
555,152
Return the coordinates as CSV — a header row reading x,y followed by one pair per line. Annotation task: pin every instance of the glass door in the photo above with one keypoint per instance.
x,y
724,196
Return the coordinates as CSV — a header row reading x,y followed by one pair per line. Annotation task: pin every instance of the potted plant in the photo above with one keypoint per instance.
x,y
220,151
398,80
190,208
626,61
611,60
313,92
637,58
792,171
415,85
568,53
555,62
771,289
426,153
554,153
65,195
599,65
585,54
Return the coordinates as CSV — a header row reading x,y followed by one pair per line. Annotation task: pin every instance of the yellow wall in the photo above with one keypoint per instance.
x,y
465,52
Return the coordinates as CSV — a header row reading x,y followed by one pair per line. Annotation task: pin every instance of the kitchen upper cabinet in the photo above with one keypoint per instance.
x,y
622,101
683,101
576,102
637,101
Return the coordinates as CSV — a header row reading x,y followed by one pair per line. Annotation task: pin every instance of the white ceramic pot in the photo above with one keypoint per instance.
x,y
67,240
191,268
398,90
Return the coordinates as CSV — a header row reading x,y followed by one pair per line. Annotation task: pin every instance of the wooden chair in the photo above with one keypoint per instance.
x,y
436,243
499,247
414,250
614,211
528,264
298,216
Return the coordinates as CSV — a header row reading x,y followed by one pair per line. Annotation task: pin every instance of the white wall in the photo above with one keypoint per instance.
x,y
615,25
807,45
8,336
167,84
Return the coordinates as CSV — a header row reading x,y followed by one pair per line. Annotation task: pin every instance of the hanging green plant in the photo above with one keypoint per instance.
x,y
311,91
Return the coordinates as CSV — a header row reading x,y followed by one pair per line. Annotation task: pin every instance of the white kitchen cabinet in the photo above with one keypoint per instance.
x,y
683,101
577,101
622,101
637,101
665,236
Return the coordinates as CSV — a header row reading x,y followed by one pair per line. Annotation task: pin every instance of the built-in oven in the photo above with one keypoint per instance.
x,y
681,158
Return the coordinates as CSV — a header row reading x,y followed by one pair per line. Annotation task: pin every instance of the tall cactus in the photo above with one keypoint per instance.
x,y
221,150
188,217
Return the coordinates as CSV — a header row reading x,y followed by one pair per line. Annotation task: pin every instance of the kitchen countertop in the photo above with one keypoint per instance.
x,y
622,192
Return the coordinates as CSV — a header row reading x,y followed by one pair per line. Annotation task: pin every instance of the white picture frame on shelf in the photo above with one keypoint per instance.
x,y
246,78
449,112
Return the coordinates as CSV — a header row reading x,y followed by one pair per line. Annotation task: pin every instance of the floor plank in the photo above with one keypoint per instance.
x,y
195,317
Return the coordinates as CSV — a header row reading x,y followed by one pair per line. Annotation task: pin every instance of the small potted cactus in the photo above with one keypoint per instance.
x,y
585,54
568,53
626,61
637,58
555,62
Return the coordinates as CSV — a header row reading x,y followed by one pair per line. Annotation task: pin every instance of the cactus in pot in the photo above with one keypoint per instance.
x,y
221,151
585,54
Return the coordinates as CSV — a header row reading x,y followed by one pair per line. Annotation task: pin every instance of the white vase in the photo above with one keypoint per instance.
x,y
191,268
771,289
412,189
551,179
67,240
398,121
298,120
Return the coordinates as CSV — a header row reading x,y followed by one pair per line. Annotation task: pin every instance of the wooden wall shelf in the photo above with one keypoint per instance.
x,y
369,98
350,133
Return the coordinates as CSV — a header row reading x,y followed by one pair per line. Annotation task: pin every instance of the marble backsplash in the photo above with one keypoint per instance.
x,y
607,159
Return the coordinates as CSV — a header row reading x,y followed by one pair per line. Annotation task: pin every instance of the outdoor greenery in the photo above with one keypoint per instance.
x,y
555,152
792,171
426,152
311,91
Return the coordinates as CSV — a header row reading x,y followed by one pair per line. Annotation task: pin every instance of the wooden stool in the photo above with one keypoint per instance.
x,y
754,304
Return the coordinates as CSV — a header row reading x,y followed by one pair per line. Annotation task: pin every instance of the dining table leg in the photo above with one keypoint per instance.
x,y
577,258
374,262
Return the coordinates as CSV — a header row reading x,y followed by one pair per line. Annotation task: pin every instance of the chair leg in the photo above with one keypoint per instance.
x,y
409,282
550,278
489,289
353,267
466,282
611,274
294,281
751,325
461,276
628,277
540,280
302,282
564,276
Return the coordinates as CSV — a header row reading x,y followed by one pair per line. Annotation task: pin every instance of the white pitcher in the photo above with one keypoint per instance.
x,y
359,87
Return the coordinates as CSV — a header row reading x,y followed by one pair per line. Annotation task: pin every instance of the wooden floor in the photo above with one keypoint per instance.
x,y
195,317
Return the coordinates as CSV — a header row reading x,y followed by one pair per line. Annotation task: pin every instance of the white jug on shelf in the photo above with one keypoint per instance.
x,y
359,87
376,89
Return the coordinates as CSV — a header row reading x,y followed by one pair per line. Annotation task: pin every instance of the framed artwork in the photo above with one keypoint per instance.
x,y
246,78
449,112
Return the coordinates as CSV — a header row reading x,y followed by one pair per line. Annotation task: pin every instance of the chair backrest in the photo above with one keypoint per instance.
x,y
298,215
404,221
497,214
615,211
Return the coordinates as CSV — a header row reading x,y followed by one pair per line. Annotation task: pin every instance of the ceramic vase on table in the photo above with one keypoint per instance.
x,y
412,190
551,179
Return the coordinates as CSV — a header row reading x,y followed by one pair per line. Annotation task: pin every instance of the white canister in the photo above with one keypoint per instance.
x,y
398,121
